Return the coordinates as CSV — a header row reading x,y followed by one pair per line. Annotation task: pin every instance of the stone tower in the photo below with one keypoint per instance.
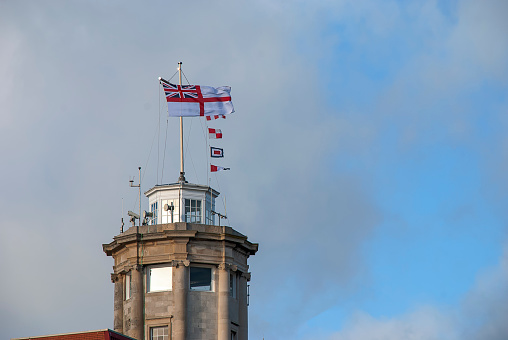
x,y
179,276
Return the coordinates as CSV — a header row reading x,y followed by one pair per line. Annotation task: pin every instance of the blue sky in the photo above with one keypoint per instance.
x,y
368,154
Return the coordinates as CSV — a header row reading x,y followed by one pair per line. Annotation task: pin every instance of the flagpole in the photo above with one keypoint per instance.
x,y
207,155
182,172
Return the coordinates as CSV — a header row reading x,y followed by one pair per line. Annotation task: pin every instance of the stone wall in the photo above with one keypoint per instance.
x,y
189,315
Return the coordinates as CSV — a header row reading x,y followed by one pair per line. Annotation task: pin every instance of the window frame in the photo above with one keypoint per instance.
x,y
154,207
149,279
212,272
128,286
209,207
193,210
159,337
233,284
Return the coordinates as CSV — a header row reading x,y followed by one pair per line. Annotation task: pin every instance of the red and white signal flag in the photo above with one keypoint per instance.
x,y
216,152
196,100
215,168
215,117
214,133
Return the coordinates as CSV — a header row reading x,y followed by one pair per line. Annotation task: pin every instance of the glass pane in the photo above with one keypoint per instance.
x,y
159,279
159,333
127,286
200,279
232,284
187,211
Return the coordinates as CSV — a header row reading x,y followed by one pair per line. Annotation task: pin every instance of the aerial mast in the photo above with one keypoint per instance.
x,y
182,172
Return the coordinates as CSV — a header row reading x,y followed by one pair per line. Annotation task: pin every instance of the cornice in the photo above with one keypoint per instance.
x,y
184,232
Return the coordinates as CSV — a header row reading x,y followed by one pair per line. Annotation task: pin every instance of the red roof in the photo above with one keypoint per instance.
x,y
103,334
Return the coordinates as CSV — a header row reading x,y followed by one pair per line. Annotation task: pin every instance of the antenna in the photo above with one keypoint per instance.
x,y
121,228
132,185
134,216
181,179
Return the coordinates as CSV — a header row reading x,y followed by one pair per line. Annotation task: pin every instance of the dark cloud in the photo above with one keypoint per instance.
x,y
81,112
80,106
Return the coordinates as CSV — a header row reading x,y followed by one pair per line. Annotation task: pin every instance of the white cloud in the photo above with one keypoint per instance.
x,y
481,315
424,324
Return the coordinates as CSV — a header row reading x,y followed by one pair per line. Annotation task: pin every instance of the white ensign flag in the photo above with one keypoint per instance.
x,y
196,100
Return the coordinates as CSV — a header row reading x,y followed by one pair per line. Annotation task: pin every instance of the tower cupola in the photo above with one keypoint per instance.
x,y
182,202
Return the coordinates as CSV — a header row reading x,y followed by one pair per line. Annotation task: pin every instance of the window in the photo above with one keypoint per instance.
x,y
128,286
159,278
233,335
170,215
192,211
232,284
159,333
209,207
200,279
154,209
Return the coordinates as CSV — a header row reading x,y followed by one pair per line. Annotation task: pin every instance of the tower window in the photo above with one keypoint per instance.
x,y
128,286
159,333
159,279
192,211
232,284
154,209
200,279
169,214
209,207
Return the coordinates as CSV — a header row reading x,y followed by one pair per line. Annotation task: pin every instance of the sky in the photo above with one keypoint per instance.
x,y
368,157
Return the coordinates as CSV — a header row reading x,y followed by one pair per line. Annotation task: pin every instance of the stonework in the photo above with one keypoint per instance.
x,y
188,314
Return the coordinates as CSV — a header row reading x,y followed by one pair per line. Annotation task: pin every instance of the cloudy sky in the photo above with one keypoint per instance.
x,y
368,155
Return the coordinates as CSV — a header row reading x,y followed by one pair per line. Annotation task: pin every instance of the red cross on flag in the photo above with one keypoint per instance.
x,y
215,168
196,100
214,133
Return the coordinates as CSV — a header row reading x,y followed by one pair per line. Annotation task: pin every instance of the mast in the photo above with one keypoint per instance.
x,y
182,172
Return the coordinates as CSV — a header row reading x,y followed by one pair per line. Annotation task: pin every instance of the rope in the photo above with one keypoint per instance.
x,y
204,136
165,145
159,138
149,154
206,141
165,138
203,129
187,150
206,147
174,74
146,164
222,199
186,78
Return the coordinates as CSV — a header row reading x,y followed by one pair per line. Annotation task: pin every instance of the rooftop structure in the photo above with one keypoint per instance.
x,y
180,276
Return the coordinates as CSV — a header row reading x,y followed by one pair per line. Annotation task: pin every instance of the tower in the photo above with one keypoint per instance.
x,y
179,275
